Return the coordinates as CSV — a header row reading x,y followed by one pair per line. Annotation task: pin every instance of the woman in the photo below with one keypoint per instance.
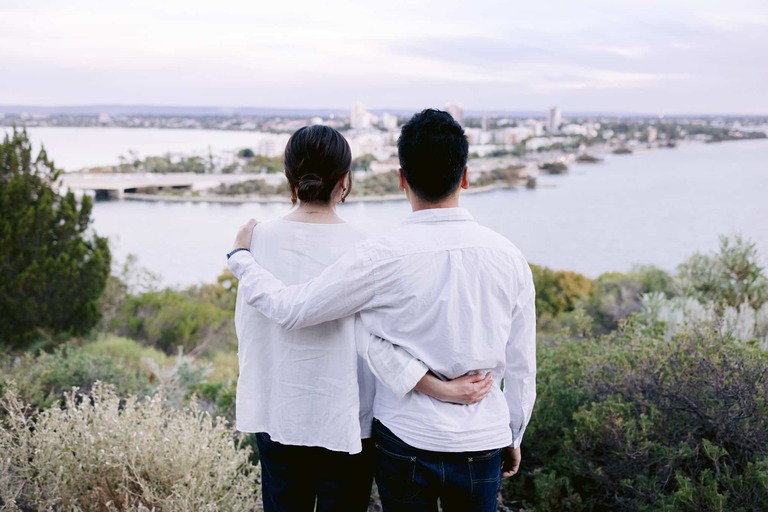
x,y
304,393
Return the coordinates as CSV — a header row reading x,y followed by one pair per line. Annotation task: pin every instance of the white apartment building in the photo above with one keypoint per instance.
x,y
359,118
271,144
513,135
554,119
457,112
589,130
388,121
374,143
478,136
536,126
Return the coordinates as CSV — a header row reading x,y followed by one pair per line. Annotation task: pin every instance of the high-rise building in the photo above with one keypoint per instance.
x,y
389,121
553,120
456,111
359,117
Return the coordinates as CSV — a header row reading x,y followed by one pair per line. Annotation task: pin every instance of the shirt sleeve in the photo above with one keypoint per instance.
x,y
391,364
342,289
520,373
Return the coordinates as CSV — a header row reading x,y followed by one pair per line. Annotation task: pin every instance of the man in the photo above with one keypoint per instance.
x,y
456,296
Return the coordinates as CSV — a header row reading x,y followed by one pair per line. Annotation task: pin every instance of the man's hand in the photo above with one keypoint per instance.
x,y
465,390
243,238
510,461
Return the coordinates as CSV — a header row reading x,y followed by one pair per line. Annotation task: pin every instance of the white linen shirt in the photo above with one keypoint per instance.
x,y
303,387
455,295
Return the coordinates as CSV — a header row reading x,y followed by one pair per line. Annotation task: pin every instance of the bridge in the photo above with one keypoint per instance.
x,y
116,186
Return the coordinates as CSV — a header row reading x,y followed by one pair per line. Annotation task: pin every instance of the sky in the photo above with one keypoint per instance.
x,y
623,56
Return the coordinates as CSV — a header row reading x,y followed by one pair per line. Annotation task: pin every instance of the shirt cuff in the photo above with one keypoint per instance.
x,y
517,440
239,262
413,372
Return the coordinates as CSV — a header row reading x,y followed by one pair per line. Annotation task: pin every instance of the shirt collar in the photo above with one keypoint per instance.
x,y
440,215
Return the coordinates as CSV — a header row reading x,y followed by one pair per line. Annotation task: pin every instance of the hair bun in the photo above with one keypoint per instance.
x,y
310,186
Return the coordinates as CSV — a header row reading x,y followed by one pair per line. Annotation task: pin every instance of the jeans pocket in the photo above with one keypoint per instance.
x,y
396,473
485,472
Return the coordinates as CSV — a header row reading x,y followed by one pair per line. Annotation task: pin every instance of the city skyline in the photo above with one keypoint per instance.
x,y
631,57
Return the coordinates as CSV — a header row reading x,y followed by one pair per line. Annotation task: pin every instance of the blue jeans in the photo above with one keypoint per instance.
x,y
296,478
412,480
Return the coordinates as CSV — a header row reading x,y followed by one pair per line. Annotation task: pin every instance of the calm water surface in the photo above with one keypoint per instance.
x,y
76,148
655,207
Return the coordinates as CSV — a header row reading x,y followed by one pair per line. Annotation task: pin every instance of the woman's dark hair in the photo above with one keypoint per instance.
x,y
316,158
433,152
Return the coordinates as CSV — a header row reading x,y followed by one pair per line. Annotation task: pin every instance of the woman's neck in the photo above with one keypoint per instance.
x,y
315,213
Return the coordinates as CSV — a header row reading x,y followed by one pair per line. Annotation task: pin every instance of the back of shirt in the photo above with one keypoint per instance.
x,y
459,297
301,387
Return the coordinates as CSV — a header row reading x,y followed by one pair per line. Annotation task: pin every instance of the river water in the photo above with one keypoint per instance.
x,y
653,207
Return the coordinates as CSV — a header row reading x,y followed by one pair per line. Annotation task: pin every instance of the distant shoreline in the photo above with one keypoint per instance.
x,y
283,199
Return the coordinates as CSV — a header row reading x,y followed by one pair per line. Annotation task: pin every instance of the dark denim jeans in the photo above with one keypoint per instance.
x,y
295,478
412,480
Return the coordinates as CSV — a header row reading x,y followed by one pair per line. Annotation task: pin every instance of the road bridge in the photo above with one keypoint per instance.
x,y
116,186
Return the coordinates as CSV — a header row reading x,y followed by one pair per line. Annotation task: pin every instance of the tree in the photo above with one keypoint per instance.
x,y
363,163
732,276
559,291
246,153
53,267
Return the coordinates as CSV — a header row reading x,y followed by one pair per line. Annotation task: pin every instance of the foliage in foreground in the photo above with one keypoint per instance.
x,y
53,268
42,380
637,421
101,452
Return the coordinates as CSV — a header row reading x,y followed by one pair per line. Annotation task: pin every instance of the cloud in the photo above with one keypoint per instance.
x,y
629,52
691,52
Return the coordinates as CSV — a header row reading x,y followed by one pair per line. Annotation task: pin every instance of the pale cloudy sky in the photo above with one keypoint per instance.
x,y
649,56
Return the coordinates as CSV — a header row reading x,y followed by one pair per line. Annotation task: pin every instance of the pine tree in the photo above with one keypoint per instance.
x,y
53,268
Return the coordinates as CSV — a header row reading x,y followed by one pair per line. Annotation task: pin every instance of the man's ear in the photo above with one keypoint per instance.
x,y
465,178
403,184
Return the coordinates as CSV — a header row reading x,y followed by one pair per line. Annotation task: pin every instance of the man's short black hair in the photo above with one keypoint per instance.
x,y
433,152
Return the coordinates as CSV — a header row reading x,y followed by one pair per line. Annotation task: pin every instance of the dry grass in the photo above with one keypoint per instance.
x,y
102,453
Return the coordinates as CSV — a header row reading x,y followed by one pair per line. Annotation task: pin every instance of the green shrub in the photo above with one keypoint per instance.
x,y
222,293
41,381
218,398
558,291
505,176
101,452
127,351
616,296
169,320
638,422
249,187
377,184
225,367
731,276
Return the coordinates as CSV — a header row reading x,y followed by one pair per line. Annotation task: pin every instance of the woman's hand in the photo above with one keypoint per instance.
x,y
243,238
465,390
